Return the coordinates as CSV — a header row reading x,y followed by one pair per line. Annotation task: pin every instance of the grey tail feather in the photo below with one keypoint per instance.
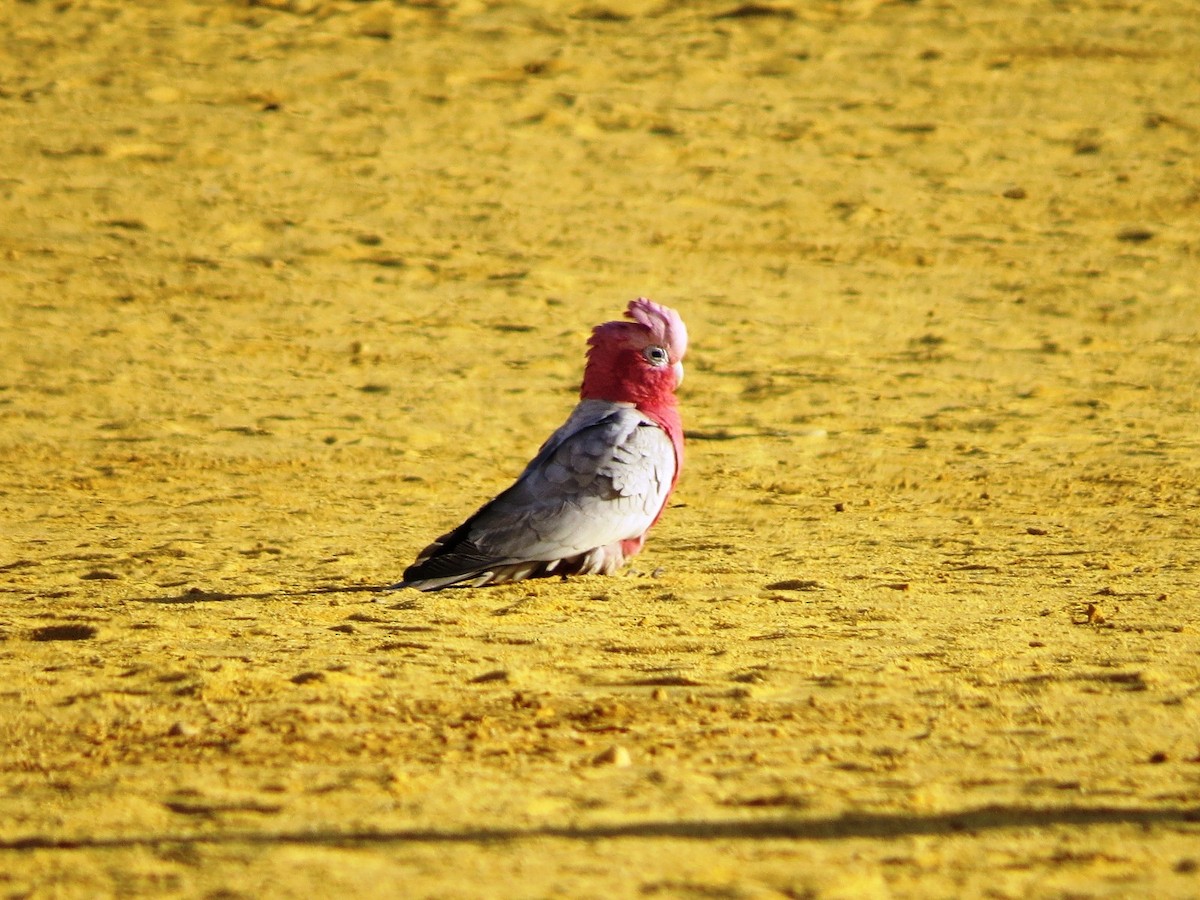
x,y
494,572
473,578
451,560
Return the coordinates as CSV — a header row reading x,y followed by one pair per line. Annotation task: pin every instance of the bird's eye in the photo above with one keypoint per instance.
x,y
656,356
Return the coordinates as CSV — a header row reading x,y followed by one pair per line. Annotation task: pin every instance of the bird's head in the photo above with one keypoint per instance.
x,y
640,361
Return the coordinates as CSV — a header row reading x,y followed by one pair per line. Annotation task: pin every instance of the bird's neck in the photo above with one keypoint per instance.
x,y
657,405
608,378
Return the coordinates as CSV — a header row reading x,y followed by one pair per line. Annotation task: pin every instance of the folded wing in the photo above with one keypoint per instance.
x,y
601,479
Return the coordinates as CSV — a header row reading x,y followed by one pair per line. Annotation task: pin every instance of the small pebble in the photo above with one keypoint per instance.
x,y
493,675
1134,235
616,755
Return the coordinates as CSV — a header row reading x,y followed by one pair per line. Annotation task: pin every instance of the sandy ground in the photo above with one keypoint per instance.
x,y
289,288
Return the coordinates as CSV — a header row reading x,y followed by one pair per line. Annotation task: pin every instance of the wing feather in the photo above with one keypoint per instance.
x,y
601,478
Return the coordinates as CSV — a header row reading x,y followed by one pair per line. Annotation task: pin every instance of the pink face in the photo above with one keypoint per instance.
x,y
655,358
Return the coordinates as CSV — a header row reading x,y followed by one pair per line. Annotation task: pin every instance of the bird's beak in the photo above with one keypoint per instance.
x,y
678,367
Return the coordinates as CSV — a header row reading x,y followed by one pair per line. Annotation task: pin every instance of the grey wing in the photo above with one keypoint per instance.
x,y
593,483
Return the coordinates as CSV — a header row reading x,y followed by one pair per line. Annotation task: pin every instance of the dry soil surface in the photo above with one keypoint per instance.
x,y
289,288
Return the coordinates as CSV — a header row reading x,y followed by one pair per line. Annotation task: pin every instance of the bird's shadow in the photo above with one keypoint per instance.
x,y
201,595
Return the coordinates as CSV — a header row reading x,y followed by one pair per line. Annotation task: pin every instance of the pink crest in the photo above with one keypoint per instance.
x,y
663,323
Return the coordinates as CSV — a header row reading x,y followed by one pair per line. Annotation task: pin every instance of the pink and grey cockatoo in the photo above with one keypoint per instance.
x,y
583,505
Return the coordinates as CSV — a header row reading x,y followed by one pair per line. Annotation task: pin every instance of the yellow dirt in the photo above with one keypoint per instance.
x,y
291,287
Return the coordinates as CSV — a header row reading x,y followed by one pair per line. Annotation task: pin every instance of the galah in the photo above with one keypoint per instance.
x,y
584,503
